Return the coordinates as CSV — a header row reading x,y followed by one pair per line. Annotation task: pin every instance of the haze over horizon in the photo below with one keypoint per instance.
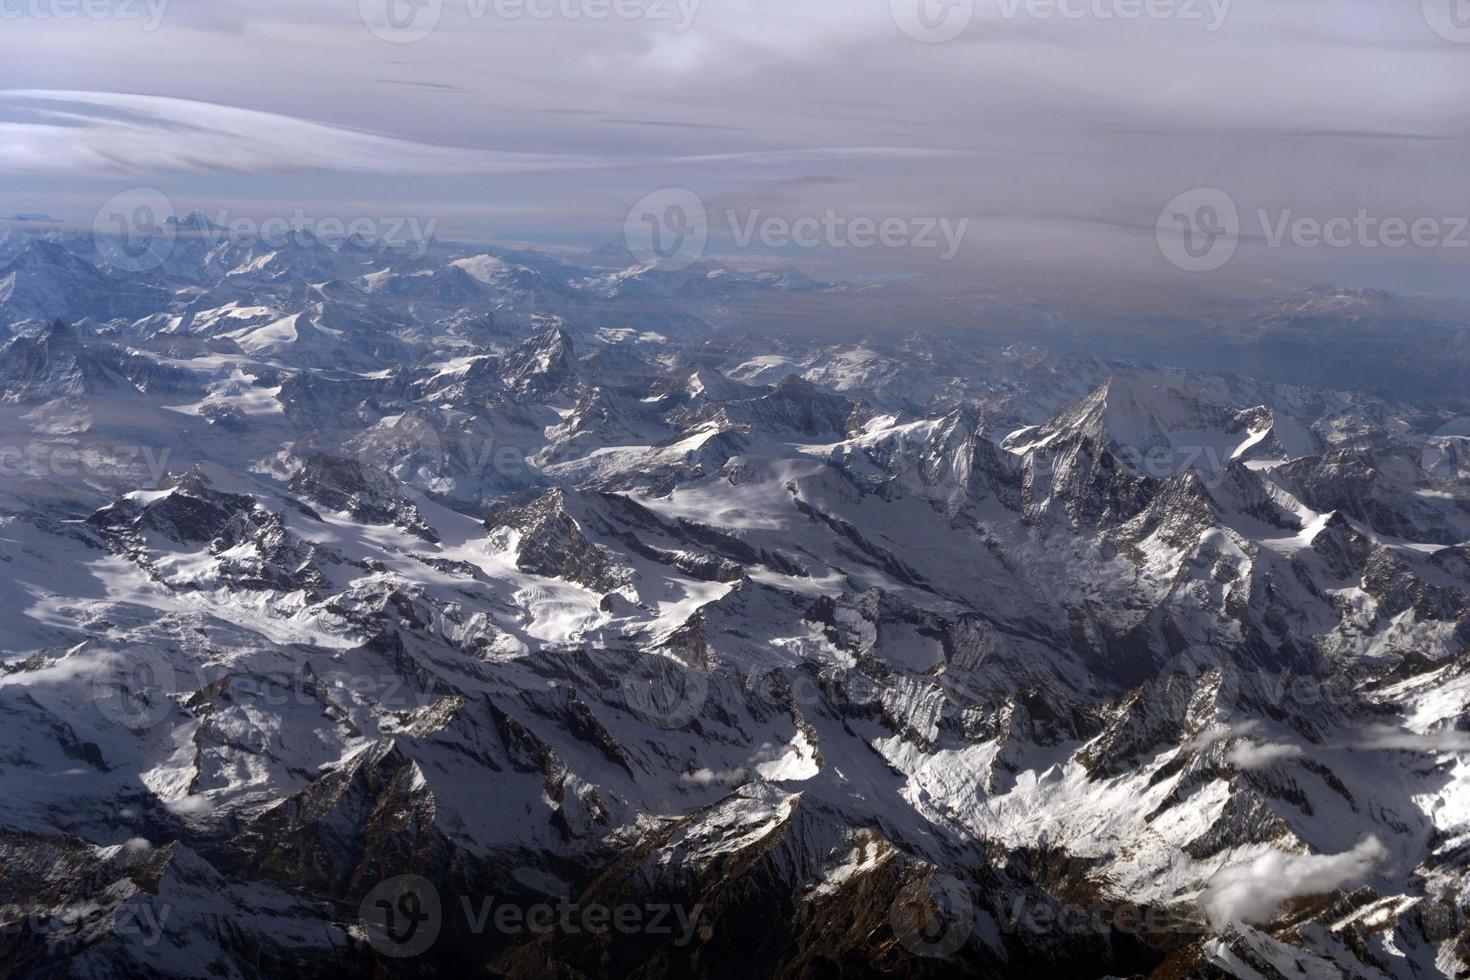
x,y
1058,133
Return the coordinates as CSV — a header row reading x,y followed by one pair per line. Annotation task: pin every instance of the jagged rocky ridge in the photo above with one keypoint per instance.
x,y
869,659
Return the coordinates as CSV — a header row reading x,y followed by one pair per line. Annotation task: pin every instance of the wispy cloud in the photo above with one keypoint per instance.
x,y
1251,893
110,133
1385,737
118,134
1258,755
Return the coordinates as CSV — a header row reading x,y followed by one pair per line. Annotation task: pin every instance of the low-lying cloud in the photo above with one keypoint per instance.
x,y
1256,755
1251,893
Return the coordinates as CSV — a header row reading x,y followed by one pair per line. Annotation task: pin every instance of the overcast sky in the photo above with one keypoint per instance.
x,y
1059,128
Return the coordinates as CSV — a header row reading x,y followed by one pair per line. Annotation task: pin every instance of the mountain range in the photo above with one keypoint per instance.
x,y
355,597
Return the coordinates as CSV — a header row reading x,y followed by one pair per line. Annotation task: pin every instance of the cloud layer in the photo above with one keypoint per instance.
x,y
1060,136
112,134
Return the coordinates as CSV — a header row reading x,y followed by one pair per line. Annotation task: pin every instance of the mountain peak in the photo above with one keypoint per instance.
x,y
1140,409
55,363
61,331
194,221
711,384
40,253
193,480
1327,290
542,364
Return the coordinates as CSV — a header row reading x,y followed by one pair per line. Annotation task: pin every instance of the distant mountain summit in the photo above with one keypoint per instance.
x,y
46,281
54,364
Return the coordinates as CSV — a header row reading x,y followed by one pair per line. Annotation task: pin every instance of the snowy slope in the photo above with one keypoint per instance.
x,y
915,658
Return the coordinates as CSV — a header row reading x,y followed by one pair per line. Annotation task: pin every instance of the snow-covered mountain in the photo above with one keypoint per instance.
x,y
352,599
45,281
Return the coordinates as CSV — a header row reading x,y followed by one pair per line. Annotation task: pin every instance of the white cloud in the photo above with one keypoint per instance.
x,y
1216,733
1385,737
1255,755
189,806
110,133
1251,893
705,777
